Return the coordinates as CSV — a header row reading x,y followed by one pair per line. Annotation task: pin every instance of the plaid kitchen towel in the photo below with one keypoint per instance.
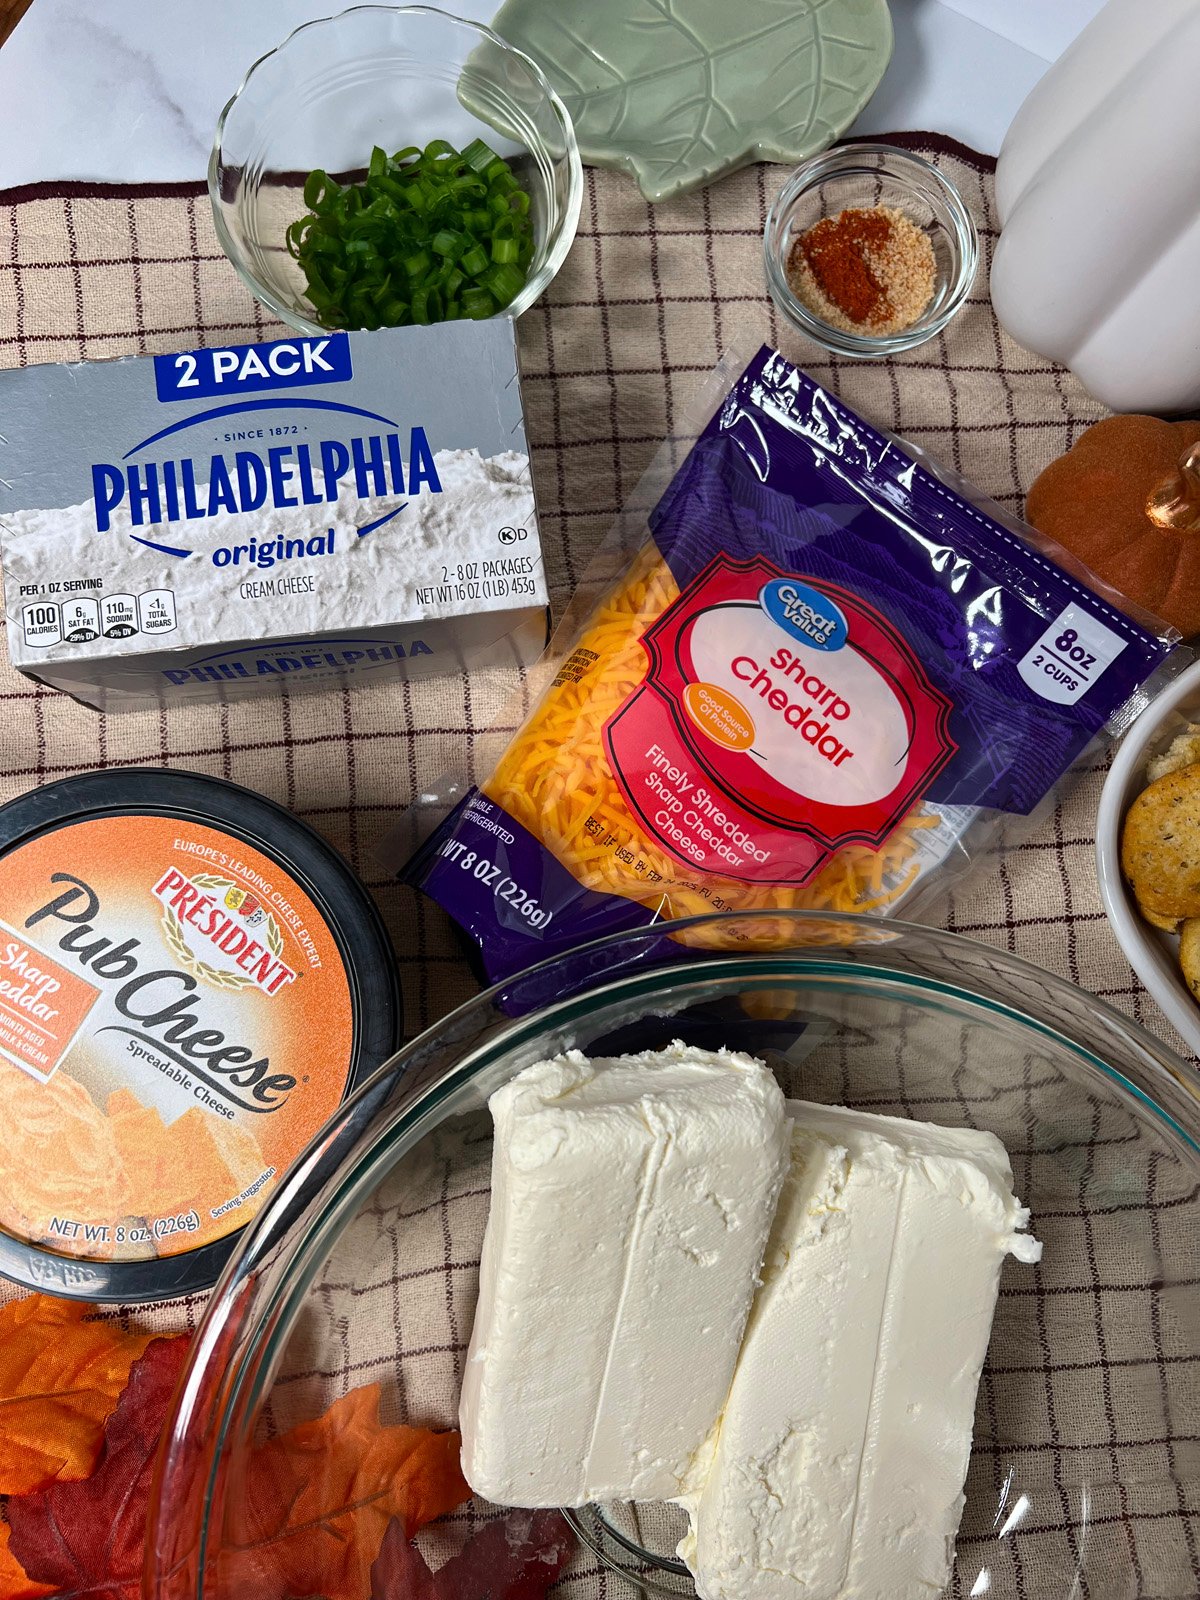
x,y
647,300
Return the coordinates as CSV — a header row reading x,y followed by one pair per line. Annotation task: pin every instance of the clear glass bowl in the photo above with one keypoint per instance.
x,y
870,175
392,76
362,1265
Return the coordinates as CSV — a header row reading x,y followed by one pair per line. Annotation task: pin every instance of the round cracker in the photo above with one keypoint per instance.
x,y
1189,954
1183,750
1157,920
1160,845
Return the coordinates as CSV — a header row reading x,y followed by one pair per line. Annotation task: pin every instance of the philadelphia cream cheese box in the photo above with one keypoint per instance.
x,y
227,521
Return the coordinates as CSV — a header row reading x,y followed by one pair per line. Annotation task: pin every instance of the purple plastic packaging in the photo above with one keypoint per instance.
x,y
857,641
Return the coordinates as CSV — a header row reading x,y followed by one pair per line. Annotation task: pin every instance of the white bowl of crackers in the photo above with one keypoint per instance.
x,y
1148,851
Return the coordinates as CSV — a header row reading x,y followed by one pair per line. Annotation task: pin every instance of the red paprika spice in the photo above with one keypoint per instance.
x,y
836,253
868,269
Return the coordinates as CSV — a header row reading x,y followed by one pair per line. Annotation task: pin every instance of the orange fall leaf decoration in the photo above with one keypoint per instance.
x,y
314,1504
60,1377
15,1583
309,1509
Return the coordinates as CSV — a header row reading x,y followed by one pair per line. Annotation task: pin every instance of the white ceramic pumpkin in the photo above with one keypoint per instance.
x,y
1098,188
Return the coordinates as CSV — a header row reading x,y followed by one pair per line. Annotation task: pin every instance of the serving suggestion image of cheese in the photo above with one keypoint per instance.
x,y
631,1204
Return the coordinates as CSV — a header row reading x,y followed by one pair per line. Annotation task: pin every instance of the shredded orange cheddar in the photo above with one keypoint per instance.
x,y
58,1156
175,1168
62,1156
556,781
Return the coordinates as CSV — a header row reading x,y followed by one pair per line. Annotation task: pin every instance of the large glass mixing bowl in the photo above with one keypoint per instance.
x,y
1085,1472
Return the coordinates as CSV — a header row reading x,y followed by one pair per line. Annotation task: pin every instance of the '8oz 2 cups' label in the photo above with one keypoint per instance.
x,y
1070,656
780,719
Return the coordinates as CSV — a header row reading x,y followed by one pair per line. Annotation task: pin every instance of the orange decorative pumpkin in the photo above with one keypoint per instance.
x,y
1125,499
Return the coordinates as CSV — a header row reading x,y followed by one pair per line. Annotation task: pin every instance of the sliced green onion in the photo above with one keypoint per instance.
x,y
426,306
319,190
474,261
428,235
479,156
477,304
505,283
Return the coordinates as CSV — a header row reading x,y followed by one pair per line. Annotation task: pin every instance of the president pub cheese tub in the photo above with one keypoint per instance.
x,y
813,675
191,980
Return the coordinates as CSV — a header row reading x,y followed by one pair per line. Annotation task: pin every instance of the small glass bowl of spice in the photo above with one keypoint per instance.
x,y
869,250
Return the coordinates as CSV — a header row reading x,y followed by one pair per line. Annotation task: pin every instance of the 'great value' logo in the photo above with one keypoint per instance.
x,y
805,613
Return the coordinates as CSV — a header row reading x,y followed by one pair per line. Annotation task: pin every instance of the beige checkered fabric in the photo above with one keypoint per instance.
x,y
647,300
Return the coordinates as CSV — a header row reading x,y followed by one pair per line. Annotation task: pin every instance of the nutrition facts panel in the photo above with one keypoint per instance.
x,y
83,618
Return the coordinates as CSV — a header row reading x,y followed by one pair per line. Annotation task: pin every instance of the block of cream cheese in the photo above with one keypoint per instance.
x,y
295,514
837,1469
631,1203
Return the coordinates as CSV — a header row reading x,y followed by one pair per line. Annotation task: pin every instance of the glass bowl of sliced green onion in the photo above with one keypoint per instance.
x,y
394,165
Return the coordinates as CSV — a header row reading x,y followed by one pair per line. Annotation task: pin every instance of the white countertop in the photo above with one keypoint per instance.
x,y
126,91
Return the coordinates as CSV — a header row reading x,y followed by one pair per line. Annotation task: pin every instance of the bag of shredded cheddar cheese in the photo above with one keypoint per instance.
x,y
808,673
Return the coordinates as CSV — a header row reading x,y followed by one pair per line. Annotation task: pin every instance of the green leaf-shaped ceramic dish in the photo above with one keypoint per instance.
x,y
679,92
